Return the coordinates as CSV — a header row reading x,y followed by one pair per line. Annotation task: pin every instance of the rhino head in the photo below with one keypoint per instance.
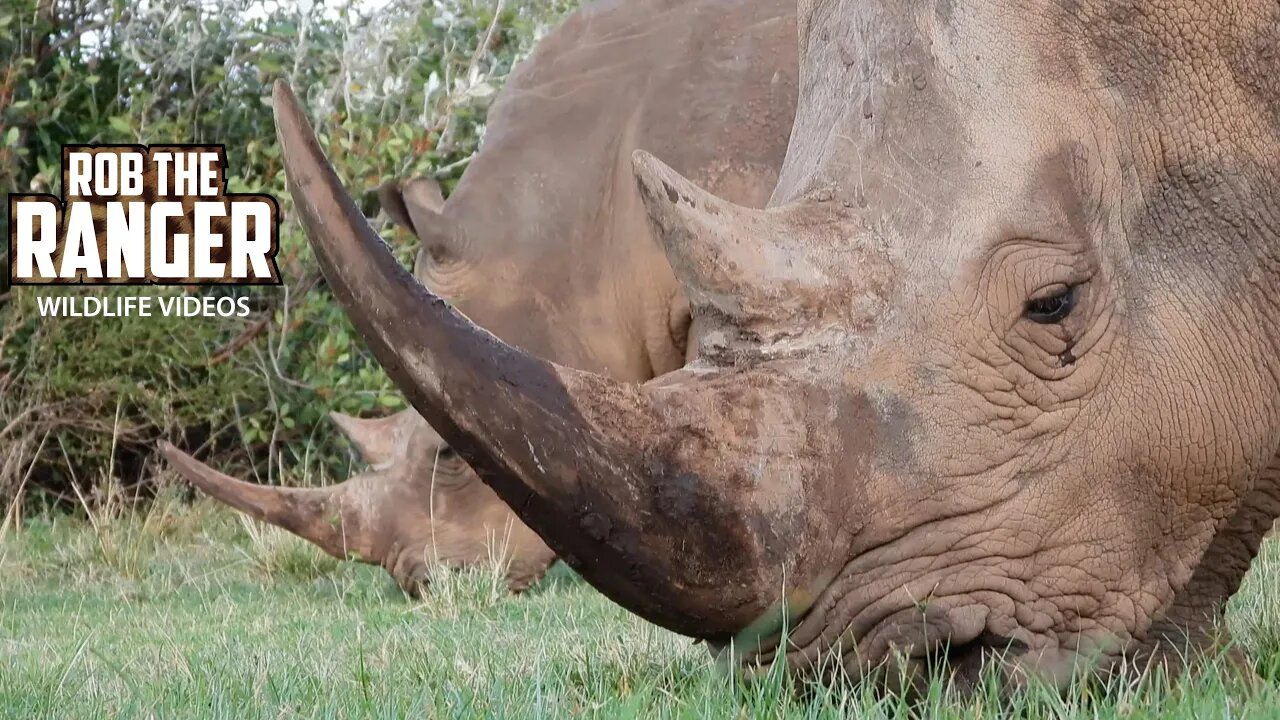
x,y
546,242
995,371
418,505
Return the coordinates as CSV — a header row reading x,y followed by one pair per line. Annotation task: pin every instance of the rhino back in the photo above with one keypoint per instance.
x,y
707,85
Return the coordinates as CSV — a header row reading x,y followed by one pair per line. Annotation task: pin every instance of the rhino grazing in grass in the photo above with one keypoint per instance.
x,y
994,378
546,242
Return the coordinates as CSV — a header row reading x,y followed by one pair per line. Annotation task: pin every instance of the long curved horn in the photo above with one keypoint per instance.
x,y
602,471
330,517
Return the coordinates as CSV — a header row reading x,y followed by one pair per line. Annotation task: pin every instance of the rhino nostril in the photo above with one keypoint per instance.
x,y
967,661
413,578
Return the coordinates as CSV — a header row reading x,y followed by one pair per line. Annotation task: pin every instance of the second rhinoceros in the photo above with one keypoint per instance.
x,y
546,243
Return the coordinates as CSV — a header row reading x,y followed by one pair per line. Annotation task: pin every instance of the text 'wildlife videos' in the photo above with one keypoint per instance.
x,y
91,306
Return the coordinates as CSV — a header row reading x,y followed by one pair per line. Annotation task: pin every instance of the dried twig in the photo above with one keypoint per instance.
x,y
238,342
253,331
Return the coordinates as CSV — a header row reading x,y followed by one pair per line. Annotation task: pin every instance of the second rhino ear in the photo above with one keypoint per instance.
x,y
418,205
403,200
379,440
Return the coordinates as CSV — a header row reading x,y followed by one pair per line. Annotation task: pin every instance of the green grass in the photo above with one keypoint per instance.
x,y
188,611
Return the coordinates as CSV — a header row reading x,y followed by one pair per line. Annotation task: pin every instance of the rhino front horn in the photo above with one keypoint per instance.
x,y
327,517
582,459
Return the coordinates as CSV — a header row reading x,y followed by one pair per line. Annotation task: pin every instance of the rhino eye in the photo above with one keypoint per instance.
x,y
445,453
1052,309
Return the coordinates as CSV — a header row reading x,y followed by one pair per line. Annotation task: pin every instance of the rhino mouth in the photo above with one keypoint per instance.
x,y
900,644
906,667
967,662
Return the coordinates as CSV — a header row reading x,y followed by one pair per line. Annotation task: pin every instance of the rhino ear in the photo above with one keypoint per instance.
x,y
423,199
418,205
379,440
402,200
392,202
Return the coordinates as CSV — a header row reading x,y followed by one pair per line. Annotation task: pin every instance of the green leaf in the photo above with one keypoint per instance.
x,y
11,137
271,65
119,124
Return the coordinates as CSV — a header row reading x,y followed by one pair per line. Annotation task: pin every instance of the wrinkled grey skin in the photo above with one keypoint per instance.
x,y
996,370
546,243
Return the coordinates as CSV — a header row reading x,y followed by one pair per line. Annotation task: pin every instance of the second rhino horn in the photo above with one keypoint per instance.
x,y
379,440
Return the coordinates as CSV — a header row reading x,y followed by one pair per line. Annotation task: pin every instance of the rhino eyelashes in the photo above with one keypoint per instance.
x,y
1053,309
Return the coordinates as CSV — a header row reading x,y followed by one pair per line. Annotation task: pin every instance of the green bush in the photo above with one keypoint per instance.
x,y
394,91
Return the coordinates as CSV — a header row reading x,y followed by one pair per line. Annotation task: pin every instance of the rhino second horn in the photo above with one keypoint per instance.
x,y
565,449
745,265
326,517
379,440
705,238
